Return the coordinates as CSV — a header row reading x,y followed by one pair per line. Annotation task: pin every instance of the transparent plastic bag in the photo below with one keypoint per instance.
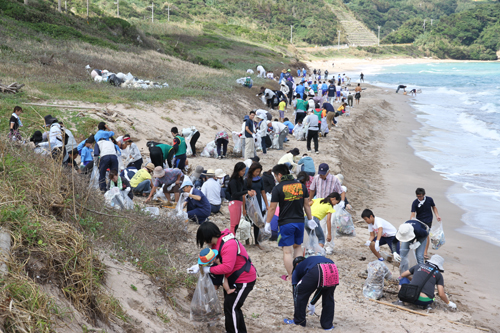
x,y
189,151
118,199
210,150
237,142
263,235
437,235
312,245
152,210
254,213
243,232
329,246
374,284
94,177
179,211
344,224
205,305
275,140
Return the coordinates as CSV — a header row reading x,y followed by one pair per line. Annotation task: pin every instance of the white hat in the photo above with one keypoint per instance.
x,y
437,260
219,173
340,177
405,232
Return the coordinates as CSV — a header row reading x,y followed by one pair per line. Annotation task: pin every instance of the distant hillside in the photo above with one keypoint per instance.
x,y
391,14
472,34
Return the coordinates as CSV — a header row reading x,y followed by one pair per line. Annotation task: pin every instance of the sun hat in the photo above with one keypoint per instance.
x,y
210,173
150,166
405,233
186,182
197,172
323,169
340,177
49,120
438,261
219,173
206,256
159,172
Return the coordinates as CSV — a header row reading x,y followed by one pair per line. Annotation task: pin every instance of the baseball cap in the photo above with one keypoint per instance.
x,y
323,169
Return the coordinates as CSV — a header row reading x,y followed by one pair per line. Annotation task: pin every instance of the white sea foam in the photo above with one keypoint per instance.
x,y
473,125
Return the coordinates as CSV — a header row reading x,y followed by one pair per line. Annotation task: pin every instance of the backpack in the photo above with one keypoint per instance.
x,y
248,82
245,268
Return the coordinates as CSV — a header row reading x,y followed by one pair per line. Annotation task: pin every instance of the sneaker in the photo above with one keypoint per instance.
x,y
398,302
219,157
380,259
330,329
317,152
288,321
309,151
329,251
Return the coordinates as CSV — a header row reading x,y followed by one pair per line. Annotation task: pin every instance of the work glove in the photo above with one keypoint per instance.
x,y
377,246
396,257
452,305
193,269
312,309
342,204
415,245
368,242
312,224
267,228
127,190
206,270
257,95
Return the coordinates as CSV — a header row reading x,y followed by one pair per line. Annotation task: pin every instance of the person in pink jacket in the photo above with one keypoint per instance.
x,y
233,264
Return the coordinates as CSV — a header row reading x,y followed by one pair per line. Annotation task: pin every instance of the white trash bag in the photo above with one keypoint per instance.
x,y
94,177
210,150
237,142
312,246
329,246
374,284
344,224
437,235
243,232
118,199
205,305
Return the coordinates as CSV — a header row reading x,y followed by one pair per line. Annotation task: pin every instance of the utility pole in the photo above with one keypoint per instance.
x,y
424,25
291,34
168,17
117,8
65,6
379,35
152,12
338,47
431,22
87,11
59,6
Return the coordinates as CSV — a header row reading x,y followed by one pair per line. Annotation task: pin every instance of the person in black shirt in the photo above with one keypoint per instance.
x,y
422,209
238,190
255,182
15,123
293,200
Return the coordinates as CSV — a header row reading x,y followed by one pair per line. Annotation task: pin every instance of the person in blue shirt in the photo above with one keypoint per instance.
x,y
422,209
197,205
87,158
314,87
300,89
307,165
290,125
324,88
103,132
304,72
298,72
412,235
318,275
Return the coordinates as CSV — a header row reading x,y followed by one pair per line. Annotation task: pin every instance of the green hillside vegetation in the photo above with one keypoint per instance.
x,y
472,34
313,22
391,14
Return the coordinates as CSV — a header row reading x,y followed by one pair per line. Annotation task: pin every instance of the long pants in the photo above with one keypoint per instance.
x,y
404,249
106,162
214,208
87,170
282,138
197,215
137,164
263,144
312,135
235,208
156,155
193,141
350,100
303,291
397,90
170,157
143,187
299,116
180,161
221,143
331,99
235,321
318,230
330,116
249,148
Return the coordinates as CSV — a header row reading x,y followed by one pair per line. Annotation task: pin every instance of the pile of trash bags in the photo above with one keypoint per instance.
x,y
245,82
437,235
374,284
123,80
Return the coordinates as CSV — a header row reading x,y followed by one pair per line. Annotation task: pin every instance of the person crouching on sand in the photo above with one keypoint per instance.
x,y
381,233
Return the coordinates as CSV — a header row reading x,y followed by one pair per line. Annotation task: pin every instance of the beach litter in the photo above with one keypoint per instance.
x,y
344,224
254,213
123,80
118,199
437,235
374,284
312,245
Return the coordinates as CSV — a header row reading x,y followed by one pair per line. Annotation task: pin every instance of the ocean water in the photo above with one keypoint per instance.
x,y
459,110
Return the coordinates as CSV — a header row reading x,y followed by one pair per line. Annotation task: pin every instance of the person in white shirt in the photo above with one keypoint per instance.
x,y
312,131
56,139
108,159
381,232
261,131
280,129
134,157
212,189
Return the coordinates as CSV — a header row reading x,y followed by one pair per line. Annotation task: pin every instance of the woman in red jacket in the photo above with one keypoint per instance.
x,y
233,263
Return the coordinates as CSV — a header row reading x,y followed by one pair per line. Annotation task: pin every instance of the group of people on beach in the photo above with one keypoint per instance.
x,y
293,196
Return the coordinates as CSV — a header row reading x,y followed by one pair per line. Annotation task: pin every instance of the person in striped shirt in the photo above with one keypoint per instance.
x,y
325,183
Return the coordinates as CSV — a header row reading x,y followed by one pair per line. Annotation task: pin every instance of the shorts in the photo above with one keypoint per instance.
x,y
388,241
290,234
282,114
338,93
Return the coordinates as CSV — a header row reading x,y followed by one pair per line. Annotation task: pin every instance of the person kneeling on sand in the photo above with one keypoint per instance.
x,y
426,277
197,205
292,198
170,179
319,275
381,232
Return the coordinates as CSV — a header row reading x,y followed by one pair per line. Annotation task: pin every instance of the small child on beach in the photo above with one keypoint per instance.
x,y
381,232
208,256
